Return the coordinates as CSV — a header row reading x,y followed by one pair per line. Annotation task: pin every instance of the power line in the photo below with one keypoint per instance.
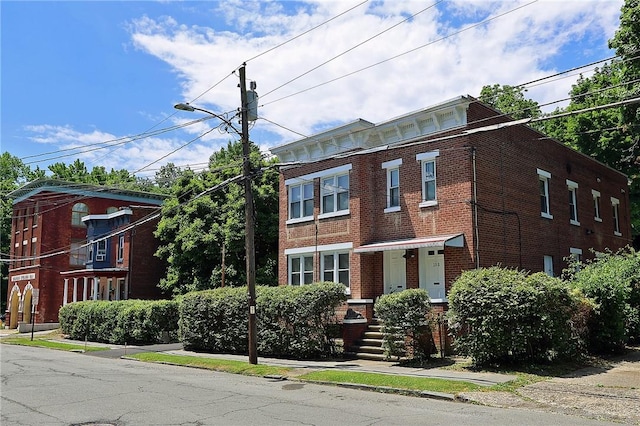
x,y
353,48
396,56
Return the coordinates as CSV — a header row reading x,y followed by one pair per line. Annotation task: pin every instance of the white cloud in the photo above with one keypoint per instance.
x,y
512,49
436,55
131,153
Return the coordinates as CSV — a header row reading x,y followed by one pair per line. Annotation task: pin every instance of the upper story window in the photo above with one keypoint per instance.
x,y
120,248
429,188
101,250
78,254
596,205
111,210
36,210
301,269
78,211
573,202
543,182
301,201
615,203
393,185
334,191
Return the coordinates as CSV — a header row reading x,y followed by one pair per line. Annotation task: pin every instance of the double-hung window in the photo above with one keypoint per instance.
x,y
335,267
78,254
543,183
120,248
301,269
335,193
573,202
427,162
596,205
101,250
615,205
393,185
301,201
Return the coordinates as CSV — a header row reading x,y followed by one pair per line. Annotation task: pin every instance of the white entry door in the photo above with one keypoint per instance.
x,y
395,271
432,273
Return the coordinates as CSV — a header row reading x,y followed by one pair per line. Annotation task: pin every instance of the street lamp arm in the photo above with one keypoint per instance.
x,y
191,108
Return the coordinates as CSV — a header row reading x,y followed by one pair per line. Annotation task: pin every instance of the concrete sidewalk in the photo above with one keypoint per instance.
x,y
391,368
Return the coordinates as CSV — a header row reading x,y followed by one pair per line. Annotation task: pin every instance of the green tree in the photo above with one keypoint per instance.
x,y
204,218
610,135
510,100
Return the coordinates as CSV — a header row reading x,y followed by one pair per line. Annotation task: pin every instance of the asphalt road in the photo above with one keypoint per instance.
x,y
46,387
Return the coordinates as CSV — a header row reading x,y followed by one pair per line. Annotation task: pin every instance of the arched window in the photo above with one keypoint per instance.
x,y
79,211
112,210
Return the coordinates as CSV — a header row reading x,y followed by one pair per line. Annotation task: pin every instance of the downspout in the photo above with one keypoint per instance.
x,y
475,207
130,266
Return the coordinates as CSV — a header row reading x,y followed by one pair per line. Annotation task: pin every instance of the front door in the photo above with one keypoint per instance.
x,y
395,271
432,273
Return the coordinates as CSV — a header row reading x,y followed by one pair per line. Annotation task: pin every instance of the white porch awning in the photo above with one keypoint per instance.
x,y
451,240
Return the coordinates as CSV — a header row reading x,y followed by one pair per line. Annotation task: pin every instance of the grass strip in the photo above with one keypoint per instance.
x,y
399,382
43,343
224,365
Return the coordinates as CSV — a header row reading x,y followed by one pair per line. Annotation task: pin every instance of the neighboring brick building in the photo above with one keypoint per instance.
x,y
414,201
73,242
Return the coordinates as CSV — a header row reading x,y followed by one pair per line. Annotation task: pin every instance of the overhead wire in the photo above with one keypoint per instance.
x,y
353,48
393,57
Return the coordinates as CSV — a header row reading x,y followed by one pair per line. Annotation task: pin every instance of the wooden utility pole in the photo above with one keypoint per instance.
x,y
249,220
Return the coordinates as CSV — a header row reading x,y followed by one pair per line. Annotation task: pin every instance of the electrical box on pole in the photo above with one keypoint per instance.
x,y
252,103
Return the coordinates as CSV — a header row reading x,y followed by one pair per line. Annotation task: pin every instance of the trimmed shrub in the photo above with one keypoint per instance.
x,y
406,328
215,320
504,315
291,321
120,322
613,282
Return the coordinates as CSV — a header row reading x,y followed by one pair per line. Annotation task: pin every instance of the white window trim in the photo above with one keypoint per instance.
x,y
423,158
335,193
546,176
120,248
573,188
323,173
300,256
313,249
596,195
302,200
616,218
335,254
391,166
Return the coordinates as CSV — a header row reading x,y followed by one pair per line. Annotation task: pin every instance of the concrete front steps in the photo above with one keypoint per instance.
x,y
370,345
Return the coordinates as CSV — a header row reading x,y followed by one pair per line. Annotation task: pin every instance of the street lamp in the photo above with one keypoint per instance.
x,y
250,251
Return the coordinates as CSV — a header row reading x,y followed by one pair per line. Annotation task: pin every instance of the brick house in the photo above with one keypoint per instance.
x,y
413,201
73,242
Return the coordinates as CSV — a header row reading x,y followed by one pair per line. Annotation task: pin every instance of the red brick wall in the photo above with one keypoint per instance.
x,y
54,234
511,230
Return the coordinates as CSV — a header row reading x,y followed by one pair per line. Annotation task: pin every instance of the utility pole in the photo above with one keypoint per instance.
x,y
249,220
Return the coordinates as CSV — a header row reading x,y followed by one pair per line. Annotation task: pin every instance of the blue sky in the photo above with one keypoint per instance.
x,y
79,73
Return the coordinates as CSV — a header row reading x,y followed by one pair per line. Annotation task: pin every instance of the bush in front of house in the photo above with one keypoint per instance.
x,y
291,321
613,282
215,320
505,315
132,322
405,324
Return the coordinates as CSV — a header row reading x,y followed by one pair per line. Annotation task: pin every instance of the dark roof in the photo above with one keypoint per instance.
x,y
87,190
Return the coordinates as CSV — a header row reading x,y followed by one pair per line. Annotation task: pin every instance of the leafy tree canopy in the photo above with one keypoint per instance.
x,y
202,227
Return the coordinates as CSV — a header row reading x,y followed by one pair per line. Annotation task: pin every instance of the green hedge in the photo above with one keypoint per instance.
x,y
613,282
405,324
505,315
133,322
291,321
